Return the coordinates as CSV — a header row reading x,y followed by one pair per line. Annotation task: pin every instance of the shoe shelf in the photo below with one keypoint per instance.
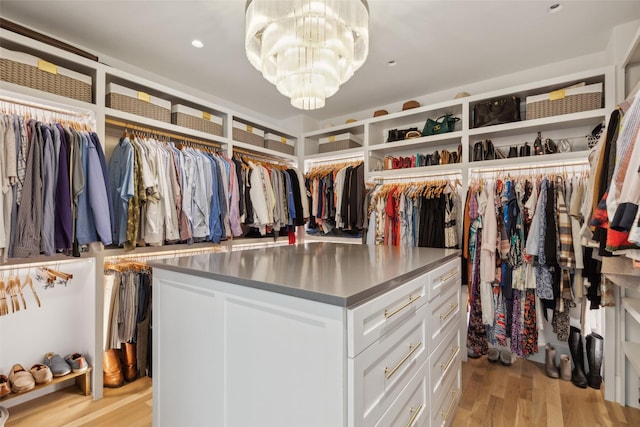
x,y
632,305
426,142
632,353
82,380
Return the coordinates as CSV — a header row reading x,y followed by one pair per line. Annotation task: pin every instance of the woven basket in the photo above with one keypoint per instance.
x,y
566,101
279,143
139,103
191,118
27,70
247,133
338,142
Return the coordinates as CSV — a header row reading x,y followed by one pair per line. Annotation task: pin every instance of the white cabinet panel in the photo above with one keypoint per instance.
x,y
373,319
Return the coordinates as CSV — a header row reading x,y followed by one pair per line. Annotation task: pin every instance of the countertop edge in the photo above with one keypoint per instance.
x,y
348,301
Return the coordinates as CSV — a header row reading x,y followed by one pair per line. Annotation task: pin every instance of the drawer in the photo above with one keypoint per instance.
x,y
444,310
444,277
446,358
381,372
373,319
411,408
444,404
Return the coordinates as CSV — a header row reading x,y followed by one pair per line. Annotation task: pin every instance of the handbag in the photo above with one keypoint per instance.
x,y
442,124
497,111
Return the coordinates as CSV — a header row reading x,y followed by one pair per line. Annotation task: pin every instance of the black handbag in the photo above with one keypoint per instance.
x,y
513,151
496,111
525,150
442,124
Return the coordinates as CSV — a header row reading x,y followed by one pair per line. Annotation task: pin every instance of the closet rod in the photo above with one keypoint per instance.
x,y
335,159
584,162
133,127
259,156
444,175
43,107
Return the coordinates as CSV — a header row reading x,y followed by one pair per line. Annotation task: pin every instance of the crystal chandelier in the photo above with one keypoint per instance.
x,y
307,48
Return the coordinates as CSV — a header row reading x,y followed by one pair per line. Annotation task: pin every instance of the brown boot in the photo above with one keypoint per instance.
x,y
565,367
112,370
129,361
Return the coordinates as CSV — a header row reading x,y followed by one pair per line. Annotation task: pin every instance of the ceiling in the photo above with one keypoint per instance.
x,y
437,44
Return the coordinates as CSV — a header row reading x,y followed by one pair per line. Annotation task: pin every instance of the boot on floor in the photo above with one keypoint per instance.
x,y
578,378
129,361
550,361
565,367
595,349
112,369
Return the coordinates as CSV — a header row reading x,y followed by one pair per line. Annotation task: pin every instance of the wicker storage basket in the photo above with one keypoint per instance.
x,y
565,101
279,143
191,118
246,133
338,142
139,103
27,70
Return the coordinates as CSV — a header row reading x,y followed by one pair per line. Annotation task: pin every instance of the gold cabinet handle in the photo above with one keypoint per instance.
x,y
388,373
453,308
454,353
448,276
454,394
414,414
399,309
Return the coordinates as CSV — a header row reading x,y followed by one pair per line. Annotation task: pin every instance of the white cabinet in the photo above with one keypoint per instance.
x,y
232,355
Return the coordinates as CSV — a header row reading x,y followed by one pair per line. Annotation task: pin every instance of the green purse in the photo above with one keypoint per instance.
x,y
442,124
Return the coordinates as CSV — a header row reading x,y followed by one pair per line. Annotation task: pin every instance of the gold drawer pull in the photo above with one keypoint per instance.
x,y
453,308
448,276
399,309
444,414
454,353
388,373
415,412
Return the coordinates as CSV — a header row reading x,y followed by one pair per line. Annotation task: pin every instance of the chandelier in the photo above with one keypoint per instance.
x,y
307,48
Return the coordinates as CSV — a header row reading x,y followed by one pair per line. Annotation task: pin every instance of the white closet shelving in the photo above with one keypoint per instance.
x,y
374,131
627,390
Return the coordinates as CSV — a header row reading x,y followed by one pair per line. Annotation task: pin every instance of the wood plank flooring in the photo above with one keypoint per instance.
x,y
523,395
493,395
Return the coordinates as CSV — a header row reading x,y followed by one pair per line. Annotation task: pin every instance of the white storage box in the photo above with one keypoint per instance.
x,y
27,70
339,142
279,143
565,101
191,118
138,102
246,133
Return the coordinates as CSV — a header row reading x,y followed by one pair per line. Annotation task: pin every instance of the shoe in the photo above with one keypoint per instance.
x,y
578,378
129,361
41,373
4,415
5,386
595,349
550,361
506,358
56,363
21,380
565,367
77,362
493,355
111,369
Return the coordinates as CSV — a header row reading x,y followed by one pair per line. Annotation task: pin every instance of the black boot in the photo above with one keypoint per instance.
x,y
595,348
578,378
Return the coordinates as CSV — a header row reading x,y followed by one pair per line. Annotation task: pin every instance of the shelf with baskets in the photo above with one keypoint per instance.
x,y
343,139
37,70
256,135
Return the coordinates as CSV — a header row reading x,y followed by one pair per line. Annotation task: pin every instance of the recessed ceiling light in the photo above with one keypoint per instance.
x,y
391,63
555,7
197,43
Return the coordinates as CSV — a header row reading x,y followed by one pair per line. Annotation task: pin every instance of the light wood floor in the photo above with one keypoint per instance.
x,y
523,395
493,395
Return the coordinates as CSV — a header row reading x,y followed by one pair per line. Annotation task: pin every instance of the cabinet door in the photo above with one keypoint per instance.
x,y
228,355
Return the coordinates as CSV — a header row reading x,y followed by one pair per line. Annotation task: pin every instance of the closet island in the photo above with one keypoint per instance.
x,y
313,334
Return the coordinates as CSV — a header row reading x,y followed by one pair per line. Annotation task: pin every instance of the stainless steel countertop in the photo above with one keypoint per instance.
x,y
334,273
